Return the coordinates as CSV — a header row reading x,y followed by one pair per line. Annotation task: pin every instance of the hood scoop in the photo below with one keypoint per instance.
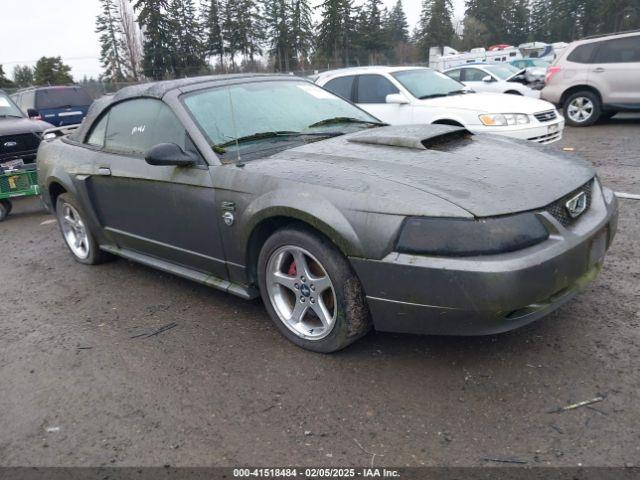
x,y
419,137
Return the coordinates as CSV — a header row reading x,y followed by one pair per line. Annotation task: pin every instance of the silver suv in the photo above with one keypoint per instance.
x,y
596,77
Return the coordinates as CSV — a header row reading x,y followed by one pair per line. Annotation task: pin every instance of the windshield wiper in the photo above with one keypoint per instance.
x,y
335,120
432,95
8,115
456,92
257,136
219,148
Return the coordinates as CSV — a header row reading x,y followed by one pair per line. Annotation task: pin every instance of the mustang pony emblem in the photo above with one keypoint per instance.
x,y
576,205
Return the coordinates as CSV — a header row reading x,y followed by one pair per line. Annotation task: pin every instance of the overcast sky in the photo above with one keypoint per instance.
x,y
30,29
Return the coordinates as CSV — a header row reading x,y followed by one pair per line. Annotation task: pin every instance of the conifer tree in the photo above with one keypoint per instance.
x,y
278,22
336,31
301,32
157,62
212,27
112,45
187,49
397,26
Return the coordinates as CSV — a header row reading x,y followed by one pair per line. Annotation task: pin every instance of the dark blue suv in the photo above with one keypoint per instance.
x,y
59,106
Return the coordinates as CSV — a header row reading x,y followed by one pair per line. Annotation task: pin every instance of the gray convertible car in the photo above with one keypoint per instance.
x,y
271,186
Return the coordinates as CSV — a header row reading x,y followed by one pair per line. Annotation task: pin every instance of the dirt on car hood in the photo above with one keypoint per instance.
x,y
485,175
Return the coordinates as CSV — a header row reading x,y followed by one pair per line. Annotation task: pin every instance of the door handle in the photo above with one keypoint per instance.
x,y
104,171
598,70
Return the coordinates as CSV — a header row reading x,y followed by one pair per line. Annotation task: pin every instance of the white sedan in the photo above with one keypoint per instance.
x,y
498,78
417,95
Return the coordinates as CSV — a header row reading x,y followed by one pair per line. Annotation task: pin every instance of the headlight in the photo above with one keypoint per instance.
x,y
504,119
462,237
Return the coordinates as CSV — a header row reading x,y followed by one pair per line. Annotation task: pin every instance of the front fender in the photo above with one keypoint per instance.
x,y
312,209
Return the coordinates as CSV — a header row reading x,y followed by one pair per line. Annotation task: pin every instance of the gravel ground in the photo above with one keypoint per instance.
x,y
224,388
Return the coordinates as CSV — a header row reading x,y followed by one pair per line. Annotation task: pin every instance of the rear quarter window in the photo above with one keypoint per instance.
x,y
582,53
618,50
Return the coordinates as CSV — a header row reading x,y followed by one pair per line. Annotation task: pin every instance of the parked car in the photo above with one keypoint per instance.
x,y
270,185
416,95
60,106
19,136
596,77
503,78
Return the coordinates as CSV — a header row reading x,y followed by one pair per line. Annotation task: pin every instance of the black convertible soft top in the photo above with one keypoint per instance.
x,y
158,90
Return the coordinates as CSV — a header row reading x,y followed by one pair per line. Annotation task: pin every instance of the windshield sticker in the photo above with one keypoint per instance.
x,y
316,92
4,102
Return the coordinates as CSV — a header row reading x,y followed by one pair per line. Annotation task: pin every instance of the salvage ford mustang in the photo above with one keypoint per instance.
x,y
272,186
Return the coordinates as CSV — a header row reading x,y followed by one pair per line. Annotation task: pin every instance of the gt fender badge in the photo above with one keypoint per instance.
x,y
228,218
576,205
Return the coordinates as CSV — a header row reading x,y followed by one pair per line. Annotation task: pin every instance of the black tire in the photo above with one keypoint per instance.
x,y
95,255
5,209
352,318
596,111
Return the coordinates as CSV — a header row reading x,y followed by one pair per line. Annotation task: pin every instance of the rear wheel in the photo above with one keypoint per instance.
x,y
76,232
582,109
310,291
5,209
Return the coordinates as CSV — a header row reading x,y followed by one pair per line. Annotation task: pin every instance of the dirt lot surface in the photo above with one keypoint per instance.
x,y
224,388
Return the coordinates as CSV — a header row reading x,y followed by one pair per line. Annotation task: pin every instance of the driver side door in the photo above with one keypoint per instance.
x,y
165,212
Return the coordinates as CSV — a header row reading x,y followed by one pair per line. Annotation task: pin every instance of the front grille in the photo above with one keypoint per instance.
x,y
546,116
559,210
13,146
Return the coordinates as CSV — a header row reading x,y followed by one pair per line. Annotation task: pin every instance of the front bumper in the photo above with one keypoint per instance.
x,y
543,133
494,293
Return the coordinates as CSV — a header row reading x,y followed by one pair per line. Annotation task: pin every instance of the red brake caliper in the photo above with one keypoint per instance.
x,y
293,271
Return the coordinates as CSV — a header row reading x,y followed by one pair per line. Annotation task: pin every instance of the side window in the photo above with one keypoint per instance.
x,y
583,53
473,75
374,89
96,137
455,74
619,50
137,125
341,86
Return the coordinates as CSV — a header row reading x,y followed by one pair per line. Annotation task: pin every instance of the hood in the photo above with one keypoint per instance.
x,y
489,103
485,175
18,126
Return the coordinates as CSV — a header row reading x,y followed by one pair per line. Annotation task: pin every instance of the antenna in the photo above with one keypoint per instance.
x,y
235,129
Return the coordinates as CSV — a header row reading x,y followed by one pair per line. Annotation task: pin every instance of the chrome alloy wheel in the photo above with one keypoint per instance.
x,y
74,231
580,109
301,292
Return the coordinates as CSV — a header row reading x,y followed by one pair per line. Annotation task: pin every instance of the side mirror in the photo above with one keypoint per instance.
x,y
396,98
487,79
33,113
168,154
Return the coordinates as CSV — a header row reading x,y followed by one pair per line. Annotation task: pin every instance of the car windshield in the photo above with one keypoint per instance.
x,y
62,97
245,116
8,108
426,83
503,72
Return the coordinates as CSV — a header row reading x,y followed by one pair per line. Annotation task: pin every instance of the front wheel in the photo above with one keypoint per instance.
x,y
310,291
582,109
76,232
